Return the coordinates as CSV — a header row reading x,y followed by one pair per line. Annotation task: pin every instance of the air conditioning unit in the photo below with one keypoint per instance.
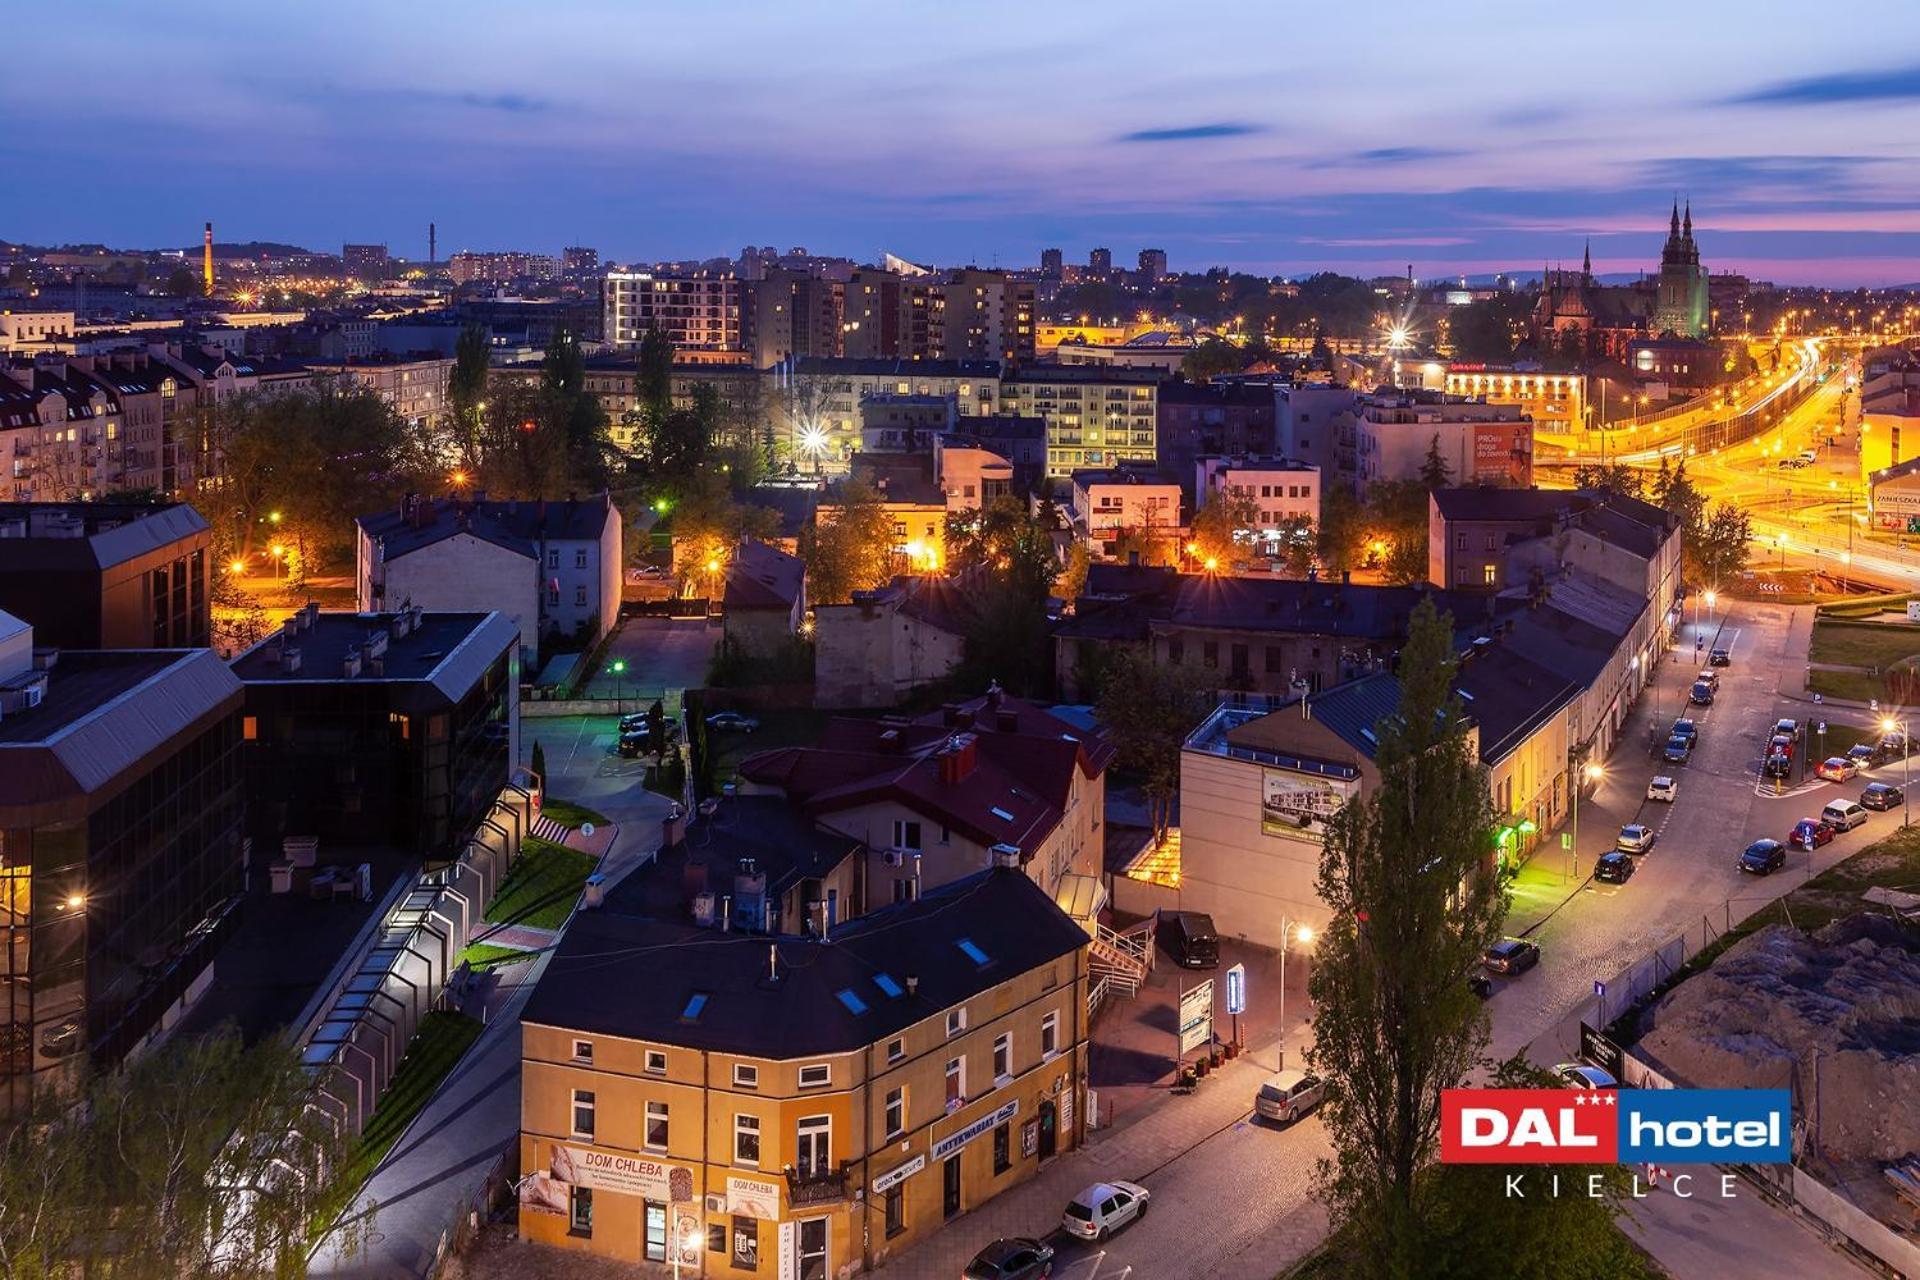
x,y
716,1204
895,857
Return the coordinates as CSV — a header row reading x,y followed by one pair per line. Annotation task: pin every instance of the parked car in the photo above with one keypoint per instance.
x,y
1288,1095
1836,769
1511,956
635,723
1710,676
1882,795
1701,695
1613,868
1635,837
1778,764
1892,746
1678,750
1103,1209
1578,1075
1720,658
1844,815
1788,727
1481,985
1017,1258
1861,754
1190,938
1763,857
1808,457
1782,744
732,720
1810,833
1663,788
1684,728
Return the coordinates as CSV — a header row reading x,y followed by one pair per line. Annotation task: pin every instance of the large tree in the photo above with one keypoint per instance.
x,y
1147,710
467,390
1222,528
1717,551
1005,559
849,547
1396,522
1413,899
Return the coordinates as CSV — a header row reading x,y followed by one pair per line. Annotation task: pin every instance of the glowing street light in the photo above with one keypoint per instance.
x,y
236,566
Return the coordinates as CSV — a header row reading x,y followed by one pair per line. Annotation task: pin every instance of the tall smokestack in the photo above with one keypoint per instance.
x,y
206,261
433,244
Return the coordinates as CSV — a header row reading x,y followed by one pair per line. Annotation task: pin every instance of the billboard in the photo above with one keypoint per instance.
x,y
1196,1016
1297,805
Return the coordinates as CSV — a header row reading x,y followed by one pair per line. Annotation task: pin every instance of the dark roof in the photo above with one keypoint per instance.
x,y
516,525
794,504
1217,394
451,651
1320,608
798,1011
900,477
1638,526
1489,503
1024,761
1001,426
763,577
851,367
61,535
1148,474
784,844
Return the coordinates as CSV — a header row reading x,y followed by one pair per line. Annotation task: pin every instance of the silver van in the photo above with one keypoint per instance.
x,y
1843,815
1287,1096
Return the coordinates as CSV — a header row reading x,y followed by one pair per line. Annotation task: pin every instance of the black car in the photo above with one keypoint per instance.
x,y
1779,764
1677,750
1613,868
1701,695
1882,796
1018,1258
1684,728
1190,938
1763,857
1511,956
1720,658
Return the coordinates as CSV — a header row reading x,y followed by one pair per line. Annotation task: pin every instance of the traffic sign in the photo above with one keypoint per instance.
x,y
1566,839
1237,989
1823,727
1599,987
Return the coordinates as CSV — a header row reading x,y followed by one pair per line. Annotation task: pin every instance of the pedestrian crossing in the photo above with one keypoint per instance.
x,y
545,828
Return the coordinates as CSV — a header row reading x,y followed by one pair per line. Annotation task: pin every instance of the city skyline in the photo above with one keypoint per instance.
x,y
1457,143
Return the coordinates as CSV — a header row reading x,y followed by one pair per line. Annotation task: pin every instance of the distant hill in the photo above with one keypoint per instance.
x,y
251,249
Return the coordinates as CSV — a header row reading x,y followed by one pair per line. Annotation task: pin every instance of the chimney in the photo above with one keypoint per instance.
x,y
206,262
310,615
959,758
290,661
350,667
913,984
1006,855
993,694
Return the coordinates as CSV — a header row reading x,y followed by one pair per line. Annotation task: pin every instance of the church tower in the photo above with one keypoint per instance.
x,y
1680,295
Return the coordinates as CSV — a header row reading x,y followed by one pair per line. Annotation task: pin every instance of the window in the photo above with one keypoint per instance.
x,y
1239,653
583,1113
746,1139
1175,651
580,1211
657,1061
745,1076
1276,658
903,889
813,1146
1003,1055
553,559
896,1112
553,596
1492,574
906,835
746,1244
851,999
1490,542
816,1075
1210,654
1002,1148
656,1131
956,1082
583,1051
896,1050
716,1237
896,1201
580,595
1050,1035
956,1020
580,558
1459,542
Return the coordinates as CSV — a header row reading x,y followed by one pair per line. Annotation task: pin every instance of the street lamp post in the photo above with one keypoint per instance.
x,y
619,668
1906,766
1592,773
1289,930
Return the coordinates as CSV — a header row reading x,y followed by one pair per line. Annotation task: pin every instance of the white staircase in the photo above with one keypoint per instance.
x,y
1119,962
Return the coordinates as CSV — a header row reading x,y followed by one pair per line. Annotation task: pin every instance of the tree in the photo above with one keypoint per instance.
x,y
1396,520
183,283
1222,528
581,417
1434,471
1212,358
653,378
466,389
1073,578
708,522
1004,560
1717,551
1406,874
1297,543
1341,541
539,762
680,441
849,547
1615,478
1147,711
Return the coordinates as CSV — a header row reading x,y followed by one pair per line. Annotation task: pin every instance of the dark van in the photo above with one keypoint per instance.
x,y
1189,938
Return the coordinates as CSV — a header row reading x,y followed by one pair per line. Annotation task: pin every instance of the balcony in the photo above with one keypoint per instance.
x,y
824,1185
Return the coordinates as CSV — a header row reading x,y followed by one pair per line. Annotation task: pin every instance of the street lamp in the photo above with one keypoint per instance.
x,y
1592,774
1906,756
619,668
1290,931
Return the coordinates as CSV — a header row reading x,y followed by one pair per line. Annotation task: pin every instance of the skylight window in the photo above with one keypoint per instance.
x,y
885,982
1368,735
1464,694
853,1002
971,950
695,1004
1002,814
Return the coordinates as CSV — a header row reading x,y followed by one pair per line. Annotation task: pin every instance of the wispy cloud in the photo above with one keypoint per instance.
x,y
512,103
1846,86
1191,133
1715,172
1383,156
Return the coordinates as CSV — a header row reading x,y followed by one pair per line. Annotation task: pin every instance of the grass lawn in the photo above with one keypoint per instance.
x,y
1863,644
569,814
542,887
795,728
1855,686
435,1047
486,955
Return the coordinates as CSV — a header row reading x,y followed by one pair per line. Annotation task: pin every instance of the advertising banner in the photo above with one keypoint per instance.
x,y
1196,1016
1297,805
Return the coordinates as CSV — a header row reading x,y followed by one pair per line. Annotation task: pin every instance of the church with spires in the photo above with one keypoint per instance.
x,y
1574,311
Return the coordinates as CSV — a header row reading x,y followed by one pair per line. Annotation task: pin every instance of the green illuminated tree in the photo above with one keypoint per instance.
x,y
466,389
849,547
1407,876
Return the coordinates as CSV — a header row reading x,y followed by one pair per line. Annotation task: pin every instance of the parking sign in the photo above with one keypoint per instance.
x,y
1237,989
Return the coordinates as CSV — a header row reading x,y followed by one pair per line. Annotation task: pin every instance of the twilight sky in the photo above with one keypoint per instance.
x,y
1269,135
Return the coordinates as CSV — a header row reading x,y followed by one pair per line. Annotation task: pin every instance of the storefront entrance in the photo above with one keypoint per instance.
x,y
1049,1128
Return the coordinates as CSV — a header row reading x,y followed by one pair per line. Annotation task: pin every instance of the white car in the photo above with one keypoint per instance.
x,y
1634,838
1578,1075
1663,788
1103,1209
